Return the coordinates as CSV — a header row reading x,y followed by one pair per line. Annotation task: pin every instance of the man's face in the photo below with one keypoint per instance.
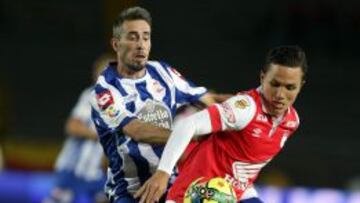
x,y
133,46
280,85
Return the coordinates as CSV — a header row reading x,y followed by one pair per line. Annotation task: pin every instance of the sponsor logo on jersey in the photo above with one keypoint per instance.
x,y
262,118
256,132
237,184
104,99
241,104
155,113
111,111
243,174
229,113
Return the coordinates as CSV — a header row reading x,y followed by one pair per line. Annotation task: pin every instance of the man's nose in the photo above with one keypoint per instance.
x,y
140,44
280,93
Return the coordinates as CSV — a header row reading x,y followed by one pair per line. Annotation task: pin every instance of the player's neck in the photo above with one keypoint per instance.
x,y
126,72
267,109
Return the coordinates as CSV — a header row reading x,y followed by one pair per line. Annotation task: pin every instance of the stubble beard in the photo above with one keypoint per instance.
x,y
135,67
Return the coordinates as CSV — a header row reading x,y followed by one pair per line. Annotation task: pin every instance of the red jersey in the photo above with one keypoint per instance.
x,y
244,139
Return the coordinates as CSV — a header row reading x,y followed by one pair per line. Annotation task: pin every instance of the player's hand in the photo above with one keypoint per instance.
x,y
154,188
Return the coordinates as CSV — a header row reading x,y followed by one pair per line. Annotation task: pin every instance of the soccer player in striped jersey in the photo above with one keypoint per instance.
x,y
134,103
79,167
246,132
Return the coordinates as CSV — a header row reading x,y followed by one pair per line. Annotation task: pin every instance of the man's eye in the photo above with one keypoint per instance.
x,y
290,87
274,84
146,37
132,37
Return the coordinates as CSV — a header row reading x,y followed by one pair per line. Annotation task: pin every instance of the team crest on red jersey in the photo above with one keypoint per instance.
x,y
241,104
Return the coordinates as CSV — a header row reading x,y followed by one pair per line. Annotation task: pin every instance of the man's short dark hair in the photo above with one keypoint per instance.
x,y
132,13
291,56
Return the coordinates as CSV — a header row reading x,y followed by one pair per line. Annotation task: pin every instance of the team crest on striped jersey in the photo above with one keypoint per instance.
x,y
157,89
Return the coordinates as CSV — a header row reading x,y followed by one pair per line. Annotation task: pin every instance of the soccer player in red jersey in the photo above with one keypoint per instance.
x,y
246,132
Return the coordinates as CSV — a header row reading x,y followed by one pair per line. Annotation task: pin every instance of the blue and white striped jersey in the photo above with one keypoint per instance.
x,y
81,157
116,101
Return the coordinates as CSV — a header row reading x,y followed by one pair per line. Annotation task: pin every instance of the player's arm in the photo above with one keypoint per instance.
x,y
109,110
146,132
235,113
212,97
194,125
76,124
76,127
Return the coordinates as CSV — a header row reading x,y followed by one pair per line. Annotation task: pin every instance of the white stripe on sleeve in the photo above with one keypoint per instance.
x,y
195,125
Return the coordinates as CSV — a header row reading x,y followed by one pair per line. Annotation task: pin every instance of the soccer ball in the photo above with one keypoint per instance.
x,y
215,190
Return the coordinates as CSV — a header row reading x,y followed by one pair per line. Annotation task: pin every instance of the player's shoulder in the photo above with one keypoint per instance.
x,y
241,104
162,69
109,75
161,66
158,64
86,92
242,100
239,110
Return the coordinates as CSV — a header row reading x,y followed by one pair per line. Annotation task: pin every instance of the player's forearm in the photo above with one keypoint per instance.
x,y
195,125
219,98
176,145
207,99
145,132
75,127
211,98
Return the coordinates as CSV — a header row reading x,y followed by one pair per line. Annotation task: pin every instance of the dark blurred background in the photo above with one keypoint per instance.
x,y
48,47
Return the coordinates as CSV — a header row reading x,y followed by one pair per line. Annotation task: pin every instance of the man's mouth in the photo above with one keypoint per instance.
x,y
277,104
140,56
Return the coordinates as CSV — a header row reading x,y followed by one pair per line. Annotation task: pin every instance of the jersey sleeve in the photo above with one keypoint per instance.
x,y
109,107
194,125
235,113
186,91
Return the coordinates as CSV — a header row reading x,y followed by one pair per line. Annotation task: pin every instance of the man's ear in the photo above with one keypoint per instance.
x,y
114,42
262,76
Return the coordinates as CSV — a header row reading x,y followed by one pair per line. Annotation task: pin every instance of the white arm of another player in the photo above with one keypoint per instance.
x,y
194,125
235,113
